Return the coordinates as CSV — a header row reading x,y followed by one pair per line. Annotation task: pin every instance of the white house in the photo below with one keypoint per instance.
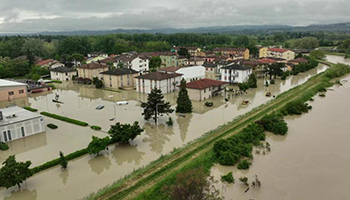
x,y
63,73
16,123
166,82
189,73
234,73
135,62
97,54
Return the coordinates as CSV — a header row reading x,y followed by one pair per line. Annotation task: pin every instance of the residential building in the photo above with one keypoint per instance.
x,y
95,59
189,73
134,61
10,90
182,61
97,54
63,74
233,52
195,61
204,89
193,51
166,82
16,123
234,73
169,59
212,71
91,70
119,78
276,53
50,64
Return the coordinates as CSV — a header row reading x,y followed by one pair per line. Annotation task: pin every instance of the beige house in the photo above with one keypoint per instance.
x,y
233,52
119,78
62,74
10,90
91,70
276,53
204,89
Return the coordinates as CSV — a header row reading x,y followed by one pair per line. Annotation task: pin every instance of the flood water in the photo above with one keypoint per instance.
x,y
89,173
310,162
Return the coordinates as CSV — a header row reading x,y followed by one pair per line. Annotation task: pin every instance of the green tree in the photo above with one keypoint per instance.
x,y
183,52
184,104
275,69
155,63
97,145
305,43
155,105
63,160
97,82
124,133
252,81
318,54
242,41
14,173
34,46
192,184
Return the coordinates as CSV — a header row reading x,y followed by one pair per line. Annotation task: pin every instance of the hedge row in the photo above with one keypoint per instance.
x,y
30,109
96,128
66,119
57,161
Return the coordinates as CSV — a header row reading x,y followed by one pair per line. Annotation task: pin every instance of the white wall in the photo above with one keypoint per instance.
x,y
166,85
140,65
30,127
62,76
237,76
192,73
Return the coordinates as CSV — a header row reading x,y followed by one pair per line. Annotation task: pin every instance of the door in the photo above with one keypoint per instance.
x,y
22,131
9,135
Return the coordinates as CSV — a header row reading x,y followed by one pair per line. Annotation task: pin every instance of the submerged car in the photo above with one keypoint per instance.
x,y
122,103
100,107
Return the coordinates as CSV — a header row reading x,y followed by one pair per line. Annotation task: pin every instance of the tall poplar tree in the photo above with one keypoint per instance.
x,y
184,104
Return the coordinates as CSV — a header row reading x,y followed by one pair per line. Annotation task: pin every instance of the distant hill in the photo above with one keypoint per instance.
x,y
241,29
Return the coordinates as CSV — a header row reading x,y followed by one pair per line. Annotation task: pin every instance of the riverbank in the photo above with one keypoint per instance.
x,y
196,151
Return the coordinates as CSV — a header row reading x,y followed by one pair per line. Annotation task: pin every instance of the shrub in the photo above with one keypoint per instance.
x,y
170,122
30,109
4,146
52,126
243,86
244,164
98,144
124,133
274,123
65,119
228,178
244,180
96,128
252,81
272,81
296,108
322,95
284,77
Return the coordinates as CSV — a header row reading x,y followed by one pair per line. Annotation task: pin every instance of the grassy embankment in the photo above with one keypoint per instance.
x,y
149,180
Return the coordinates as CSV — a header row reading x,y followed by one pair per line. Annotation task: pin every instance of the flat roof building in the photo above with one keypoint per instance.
x,y
16,123
10,90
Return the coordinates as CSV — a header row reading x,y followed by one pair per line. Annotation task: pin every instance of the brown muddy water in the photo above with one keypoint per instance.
x,y
89,173
311,162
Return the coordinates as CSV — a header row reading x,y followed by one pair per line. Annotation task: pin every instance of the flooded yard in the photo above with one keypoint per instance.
x,y
310,162
89,173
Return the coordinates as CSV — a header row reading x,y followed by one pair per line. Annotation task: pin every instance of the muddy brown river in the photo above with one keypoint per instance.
x,y
89,173
311,162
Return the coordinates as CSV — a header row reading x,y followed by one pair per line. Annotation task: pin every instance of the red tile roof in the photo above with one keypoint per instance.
x,y
204,83
44,62
92,65
267,61
299,60
278,50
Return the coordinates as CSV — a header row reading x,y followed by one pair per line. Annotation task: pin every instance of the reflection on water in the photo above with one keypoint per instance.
x,y
88,174
310,162
64,175
23,194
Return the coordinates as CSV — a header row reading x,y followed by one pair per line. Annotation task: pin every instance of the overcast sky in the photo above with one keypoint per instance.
x,y
69,15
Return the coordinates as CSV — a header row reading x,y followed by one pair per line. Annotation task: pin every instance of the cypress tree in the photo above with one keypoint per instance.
x,y
184,104
63,161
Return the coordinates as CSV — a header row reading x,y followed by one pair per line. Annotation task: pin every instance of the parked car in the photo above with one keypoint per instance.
x,y
122,103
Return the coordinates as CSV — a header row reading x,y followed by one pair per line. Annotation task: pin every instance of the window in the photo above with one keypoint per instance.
x,y
11,93
21,91
9,135
5,136
205,90
66,74
22,131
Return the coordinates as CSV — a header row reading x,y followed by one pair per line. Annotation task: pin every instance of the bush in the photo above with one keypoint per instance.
x,y
272,81
284,77
30,109
228,178
52,126
170,122
124,133
296,108
244,164
65,119
274,123
4,146
243,86
96,128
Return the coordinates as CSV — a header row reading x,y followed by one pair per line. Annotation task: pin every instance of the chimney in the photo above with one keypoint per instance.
x,y
1,117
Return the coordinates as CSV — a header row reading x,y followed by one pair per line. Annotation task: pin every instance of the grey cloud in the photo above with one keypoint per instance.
x,y
111,14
